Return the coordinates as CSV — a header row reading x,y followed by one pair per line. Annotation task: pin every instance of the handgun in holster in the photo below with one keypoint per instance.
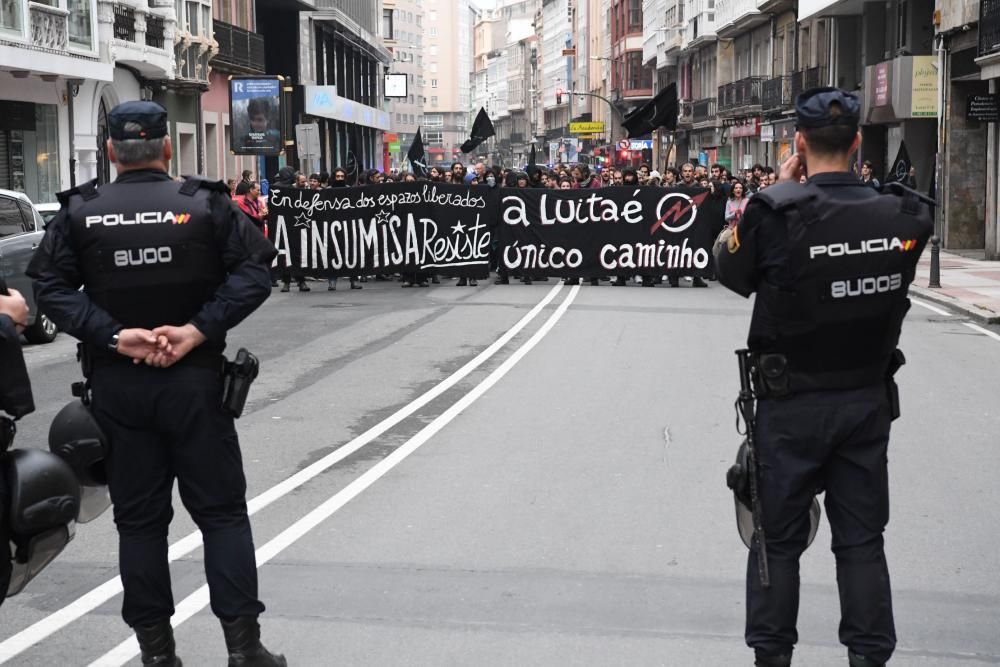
x,y
896,361
237,377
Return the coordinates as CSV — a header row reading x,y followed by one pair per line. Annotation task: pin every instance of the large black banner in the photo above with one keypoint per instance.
x,y
403,227
609,231
452,230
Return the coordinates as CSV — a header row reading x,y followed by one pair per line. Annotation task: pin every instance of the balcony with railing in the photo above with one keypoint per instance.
x,y
740,97
703,110
155,27
239,50
989,28
776,95
143,38
805,79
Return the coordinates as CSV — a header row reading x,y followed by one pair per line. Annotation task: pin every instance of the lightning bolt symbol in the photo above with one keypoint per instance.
x,y
677,210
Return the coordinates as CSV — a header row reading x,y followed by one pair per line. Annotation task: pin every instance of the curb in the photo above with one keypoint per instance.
x,y
973,312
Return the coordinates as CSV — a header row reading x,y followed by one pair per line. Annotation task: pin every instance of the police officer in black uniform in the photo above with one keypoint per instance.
x,y
830,262
167,268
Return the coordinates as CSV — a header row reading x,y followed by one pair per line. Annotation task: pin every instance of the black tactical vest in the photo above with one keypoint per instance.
x,y
148,251
850,264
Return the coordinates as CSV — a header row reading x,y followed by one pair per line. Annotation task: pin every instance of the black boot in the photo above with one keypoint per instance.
x,y
243,642
698,282
462,282
156,643
858,660
782,660
303,287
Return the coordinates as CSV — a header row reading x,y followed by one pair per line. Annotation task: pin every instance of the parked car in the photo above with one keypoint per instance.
x,y
21,230
47,211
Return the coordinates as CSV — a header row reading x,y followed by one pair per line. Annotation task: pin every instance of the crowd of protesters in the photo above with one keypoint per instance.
x,y
737,189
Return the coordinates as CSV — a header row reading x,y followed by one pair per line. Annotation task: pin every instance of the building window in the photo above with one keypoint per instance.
x,y
434,67
10,15
387,27
901,27
80,33
434,100
634,15
433,32
637,77
434,120
193,12
434,83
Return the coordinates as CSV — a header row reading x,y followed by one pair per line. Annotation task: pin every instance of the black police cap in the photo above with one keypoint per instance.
x,y
150,116
813,108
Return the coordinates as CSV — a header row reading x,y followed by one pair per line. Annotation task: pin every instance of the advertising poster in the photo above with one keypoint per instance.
x,y
255,115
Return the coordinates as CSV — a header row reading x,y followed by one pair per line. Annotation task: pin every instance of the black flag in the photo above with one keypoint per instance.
x,y
661,111
482,129
900,170
531,156
418,162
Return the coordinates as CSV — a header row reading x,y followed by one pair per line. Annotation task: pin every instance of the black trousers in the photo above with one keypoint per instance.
x,y
165,424
836,441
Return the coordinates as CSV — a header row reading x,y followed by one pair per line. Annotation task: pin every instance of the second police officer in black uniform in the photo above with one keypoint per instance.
x,y
167,268
830,262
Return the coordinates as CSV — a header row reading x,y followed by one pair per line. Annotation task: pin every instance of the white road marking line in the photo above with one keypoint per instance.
x,y
45,627
198,600
939,311
928,306
982,330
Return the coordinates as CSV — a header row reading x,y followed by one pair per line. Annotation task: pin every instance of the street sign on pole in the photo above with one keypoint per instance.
x,y
307,141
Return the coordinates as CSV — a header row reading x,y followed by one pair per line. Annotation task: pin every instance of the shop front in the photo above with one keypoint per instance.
x,y
707,148
349,131
745,134
778,141
29,149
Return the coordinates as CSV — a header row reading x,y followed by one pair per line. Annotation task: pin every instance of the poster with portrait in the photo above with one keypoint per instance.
x,y
255,115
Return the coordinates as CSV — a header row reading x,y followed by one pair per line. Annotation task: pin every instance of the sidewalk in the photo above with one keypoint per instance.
x,y
969,285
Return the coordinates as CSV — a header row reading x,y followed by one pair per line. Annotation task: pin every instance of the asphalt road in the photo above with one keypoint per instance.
x,y
532,475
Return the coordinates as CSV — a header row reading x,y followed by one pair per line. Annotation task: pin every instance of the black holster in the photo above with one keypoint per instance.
x,y
896,361
771,376
237,377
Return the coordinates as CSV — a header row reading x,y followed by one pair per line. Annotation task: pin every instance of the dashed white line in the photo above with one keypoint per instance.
x,y
198,600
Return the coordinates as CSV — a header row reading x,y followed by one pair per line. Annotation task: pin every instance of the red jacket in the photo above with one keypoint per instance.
x,y
252,208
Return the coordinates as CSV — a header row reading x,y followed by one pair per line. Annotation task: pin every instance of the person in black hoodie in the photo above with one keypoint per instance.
x,y
339,180
285,178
